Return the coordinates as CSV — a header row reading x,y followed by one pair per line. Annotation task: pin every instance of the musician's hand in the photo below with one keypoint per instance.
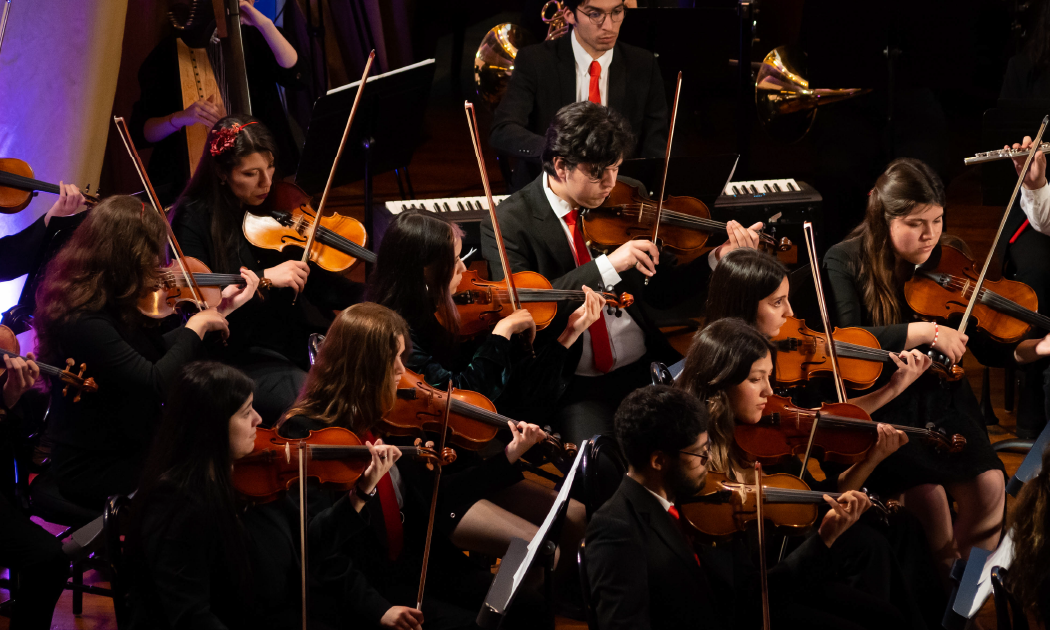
x,y
582,318
21,374
291,274
383,458
889,441
910,366
523,437
205,111
842,515
739,237
402,618
520,321
251,16
640,254
234,297
950,342
1036,176
69,201
208,320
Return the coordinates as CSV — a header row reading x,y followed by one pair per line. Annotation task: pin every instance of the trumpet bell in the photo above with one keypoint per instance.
x,y
494,61
785,103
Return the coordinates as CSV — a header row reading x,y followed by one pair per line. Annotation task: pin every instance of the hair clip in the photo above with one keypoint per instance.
x,y
224,138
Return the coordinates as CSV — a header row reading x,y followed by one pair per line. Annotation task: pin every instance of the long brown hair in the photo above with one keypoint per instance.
x,y
905,184
351,382
720,357
1029,523
109,260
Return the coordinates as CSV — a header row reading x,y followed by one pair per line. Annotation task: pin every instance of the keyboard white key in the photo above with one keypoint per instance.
x,y
451,204
761,187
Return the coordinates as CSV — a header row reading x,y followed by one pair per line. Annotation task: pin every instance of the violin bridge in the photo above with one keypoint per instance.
x,y
288,451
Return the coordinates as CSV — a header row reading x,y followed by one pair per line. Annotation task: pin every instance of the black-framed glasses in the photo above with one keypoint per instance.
x,y
706,455
597,18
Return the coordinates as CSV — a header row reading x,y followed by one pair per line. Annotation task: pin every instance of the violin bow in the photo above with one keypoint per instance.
x,y
312,230
140,168
3,21
759,498
508,276
434,496
667,165
302,448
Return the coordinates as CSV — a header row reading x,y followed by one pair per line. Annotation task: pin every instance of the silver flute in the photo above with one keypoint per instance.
x,y
1003,154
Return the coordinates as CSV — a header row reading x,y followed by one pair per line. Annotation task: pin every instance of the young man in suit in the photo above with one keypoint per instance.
x,y
541,227
642,569
588,64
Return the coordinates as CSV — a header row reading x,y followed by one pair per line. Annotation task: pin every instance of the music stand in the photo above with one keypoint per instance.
x,y
521,556
701,177
1032,464
386,131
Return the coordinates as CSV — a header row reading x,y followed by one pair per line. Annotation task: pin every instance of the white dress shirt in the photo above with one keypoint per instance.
x,y
625,335
664,502
1036,206
583,71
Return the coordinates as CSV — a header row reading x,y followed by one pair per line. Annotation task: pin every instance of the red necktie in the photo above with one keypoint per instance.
x,y
595,94
673,511
395,533
603,359
1019,231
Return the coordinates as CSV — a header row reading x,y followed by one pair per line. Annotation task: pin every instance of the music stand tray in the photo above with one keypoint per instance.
x,y
521,555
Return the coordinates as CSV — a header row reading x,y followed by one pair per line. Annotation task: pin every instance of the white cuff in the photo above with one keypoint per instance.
x,y
1036,206
609,276
712,259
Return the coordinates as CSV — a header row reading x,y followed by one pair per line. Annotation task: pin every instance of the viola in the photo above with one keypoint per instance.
x,y
285,218
175,288
1005,309
725,507
802,352
482,303
17,186
472,417
685,223
336,459
9,347
844,433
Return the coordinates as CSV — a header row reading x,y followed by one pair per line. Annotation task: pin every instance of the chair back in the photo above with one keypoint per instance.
x,y
601,469
1008,613
585,587
114,526
660,374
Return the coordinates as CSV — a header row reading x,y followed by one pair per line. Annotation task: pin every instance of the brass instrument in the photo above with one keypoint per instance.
x,y
785,103
494,61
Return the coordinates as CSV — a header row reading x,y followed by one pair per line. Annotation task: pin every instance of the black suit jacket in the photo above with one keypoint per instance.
x,y
535,241
643,574
544,81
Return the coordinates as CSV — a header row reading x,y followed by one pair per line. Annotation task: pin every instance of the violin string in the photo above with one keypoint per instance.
x,y
328,237
997,301
45,368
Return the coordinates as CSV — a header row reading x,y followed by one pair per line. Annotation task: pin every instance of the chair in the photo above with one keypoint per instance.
x,y
601,471
1005,604
659,373
585,586
114,526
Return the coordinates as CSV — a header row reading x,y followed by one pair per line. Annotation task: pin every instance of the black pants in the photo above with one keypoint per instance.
x,y
36,561
590,402
1028,261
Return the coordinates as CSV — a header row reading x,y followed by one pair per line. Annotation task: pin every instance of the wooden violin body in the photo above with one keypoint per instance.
x,y
482,303
336,459
17,186
724,508
802,352
1007,309
9,346
283,220
473,420
174,289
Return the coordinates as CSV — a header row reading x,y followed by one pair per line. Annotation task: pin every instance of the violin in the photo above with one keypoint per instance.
x,y
844,433
174,288
285,218
685,224
336,458
725,507
17,186
472,417
9,347
802,352
482,303
1005,309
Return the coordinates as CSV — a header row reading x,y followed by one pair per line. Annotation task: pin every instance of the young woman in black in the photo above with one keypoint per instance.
x,y
866,272
87,308
268,338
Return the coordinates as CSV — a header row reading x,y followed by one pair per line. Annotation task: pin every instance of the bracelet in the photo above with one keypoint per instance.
x,y
365,497
936,334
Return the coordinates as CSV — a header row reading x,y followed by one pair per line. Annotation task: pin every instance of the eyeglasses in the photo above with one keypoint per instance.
x,y
706,455
598,17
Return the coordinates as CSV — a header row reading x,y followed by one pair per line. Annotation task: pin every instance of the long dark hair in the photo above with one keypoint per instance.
x,y
720,357
207,192
111,258
350,385
1028,525
905,184
191,455
414,266
742,279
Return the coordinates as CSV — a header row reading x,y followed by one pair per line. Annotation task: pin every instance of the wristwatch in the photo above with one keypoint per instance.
x,y
365,497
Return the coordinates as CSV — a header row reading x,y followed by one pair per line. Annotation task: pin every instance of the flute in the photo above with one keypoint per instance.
x,y
1003,154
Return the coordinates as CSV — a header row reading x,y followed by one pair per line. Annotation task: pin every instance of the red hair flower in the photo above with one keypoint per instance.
x,y
223,139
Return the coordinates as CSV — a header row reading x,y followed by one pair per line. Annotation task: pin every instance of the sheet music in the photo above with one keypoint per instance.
x,y
541,535
976,583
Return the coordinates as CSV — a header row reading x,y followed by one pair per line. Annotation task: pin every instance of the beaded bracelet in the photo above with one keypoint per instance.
x,y
936,334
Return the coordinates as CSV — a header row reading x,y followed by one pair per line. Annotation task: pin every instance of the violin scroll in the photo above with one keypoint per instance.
x,y
76,381
425,452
